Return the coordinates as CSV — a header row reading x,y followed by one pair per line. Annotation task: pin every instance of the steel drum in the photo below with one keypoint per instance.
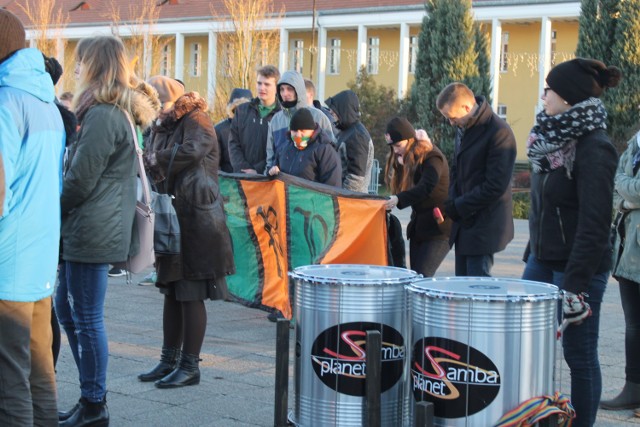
x,y
334,307
480,346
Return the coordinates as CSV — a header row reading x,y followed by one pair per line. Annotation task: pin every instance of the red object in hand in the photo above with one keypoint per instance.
x,y
438,215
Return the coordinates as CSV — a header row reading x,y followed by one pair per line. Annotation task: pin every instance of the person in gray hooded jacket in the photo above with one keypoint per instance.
x,y
292,95
354,142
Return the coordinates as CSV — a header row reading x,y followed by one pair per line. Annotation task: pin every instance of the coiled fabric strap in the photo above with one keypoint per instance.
x,y
532,411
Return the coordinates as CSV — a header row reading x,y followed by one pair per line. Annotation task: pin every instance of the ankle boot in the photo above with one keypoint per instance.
x,y
187,373
88,414
629,398
168,362
62,416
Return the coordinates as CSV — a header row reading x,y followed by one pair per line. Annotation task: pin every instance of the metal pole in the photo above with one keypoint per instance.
x,y
373,378
313,38
423,414
282,374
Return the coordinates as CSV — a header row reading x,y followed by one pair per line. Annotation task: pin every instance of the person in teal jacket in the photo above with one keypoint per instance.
x,y
32,140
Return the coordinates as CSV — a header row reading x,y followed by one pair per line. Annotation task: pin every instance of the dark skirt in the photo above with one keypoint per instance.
x,y
171,282
195,290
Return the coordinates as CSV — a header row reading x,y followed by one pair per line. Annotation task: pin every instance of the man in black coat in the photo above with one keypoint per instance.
x,y
480,180
250,125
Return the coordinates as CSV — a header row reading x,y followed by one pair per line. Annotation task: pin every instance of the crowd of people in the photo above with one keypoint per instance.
x,y
68,188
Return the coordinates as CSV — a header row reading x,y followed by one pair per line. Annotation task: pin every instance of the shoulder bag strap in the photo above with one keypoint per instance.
x,y
141,172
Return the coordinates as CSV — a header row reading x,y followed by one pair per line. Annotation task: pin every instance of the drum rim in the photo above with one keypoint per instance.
x,y
298,273
413,288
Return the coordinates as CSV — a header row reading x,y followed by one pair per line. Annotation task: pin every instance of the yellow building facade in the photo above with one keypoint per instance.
x,y
525,38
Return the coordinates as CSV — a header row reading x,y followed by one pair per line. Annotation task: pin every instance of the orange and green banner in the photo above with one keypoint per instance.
x,y
278,224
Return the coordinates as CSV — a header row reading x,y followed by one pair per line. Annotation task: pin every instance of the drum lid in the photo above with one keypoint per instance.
x,y
484,288
354,274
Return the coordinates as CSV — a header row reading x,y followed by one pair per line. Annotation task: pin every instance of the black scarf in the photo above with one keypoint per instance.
x,y
552,141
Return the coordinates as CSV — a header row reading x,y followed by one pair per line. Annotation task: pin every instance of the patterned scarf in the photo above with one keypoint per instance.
x,y
552,141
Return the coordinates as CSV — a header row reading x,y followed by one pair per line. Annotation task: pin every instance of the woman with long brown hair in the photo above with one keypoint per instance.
x,y
98,206
417,174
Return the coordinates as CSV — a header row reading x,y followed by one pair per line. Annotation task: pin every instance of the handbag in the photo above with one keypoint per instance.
x,y
166,232
143,219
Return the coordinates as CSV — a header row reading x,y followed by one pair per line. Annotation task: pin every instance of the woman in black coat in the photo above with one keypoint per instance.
x,y
574,164
418,175
206,257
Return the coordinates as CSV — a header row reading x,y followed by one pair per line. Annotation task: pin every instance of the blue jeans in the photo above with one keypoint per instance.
x,y
80,308
474,265
425,257
579,342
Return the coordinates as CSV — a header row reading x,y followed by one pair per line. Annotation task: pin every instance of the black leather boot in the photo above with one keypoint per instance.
x,y
62,416
168,362
187,373
88,414
629,398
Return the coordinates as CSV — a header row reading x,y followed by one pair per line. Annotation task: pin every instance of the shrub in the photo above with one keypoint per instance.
x,y
521,205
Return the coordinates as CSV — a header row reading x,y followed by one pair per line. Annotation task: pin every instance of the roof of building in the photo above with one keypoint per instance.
x,y
96,12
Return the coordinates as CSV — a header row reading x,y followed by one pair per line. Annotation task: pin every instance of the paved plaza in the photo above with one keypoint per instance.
x,y
238,366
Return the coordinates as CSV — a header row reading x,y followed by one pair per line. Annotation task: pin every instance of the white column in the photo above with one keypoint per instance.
x,y
362,47
496,47
60,57
544,64
322,63
284,50
147,57
179,66
403,61
212,55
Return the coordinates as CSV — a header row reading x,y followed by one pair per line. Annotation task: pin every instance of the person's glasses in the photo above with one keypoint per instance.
x,y
545,90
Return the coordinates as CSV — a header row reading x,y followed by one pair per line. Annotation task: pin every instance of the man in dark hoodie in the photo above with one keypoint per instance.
x,y
250,124
223,127
354,142
292,95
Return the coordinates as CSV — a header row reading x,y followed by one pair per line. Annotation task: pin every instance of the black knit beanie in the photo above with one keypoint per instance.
x,y
12,35
579,79
399,129
302,120
53,67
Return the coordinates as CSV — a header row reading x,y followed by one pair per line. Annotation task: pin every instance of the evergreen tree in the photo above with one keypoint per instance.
x,y
623,101
597,29
378,105
450,49
483,84
610,32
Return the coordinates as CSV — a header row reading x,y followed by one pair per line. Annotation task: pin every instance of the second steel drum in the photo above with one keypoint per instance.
x,y
480,346
334,307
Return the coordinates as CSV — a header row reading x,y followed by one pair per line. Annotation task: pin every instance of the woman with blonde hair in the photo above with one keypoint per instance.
x,y
417,174
98,204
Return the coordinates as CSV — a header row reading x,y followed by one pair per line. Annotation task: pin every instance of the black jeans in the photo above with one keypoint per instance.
x,y
630,296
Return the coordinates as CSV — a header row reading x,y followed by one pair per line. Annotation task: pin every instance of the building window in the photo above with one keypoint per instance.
x,y
196,60
553,48
502,111
504,52
298,55
334,56
373,55
165,60
413,53
262,50
227,60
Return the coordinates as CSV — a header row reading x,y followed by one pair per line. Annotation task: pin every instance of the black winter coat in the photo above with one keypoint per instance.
x,y
354,142
193,180
248,137
318,162
570,218
223,128
431,181
480,184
